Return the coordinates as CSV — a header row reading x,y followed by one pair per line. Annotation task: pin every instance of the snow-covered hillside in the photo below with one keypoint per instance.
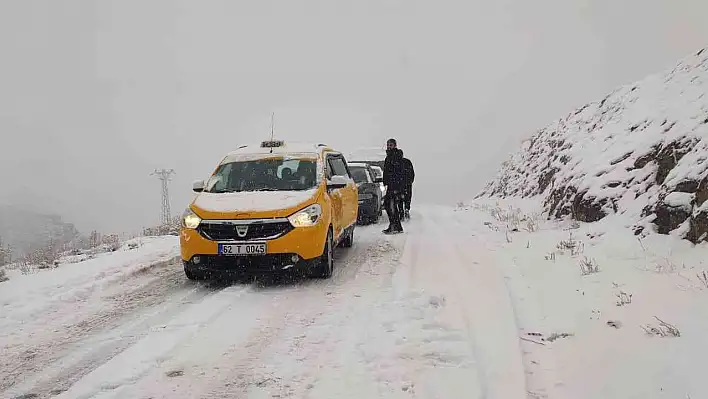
x,y
25,230
641,152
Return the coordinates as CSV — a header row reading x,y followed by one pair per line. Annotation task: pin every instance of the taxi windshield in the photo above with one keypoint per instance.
x,y
269,174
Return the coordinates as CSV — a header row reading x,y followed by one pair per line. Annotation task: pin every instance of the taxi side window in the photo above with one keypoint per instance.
x,y
337,167
328,168
221,180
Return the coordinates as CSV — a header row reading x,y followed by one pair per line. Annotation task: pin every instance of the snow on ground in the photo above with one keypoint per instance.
x,y
25,296
585,335
42,311
477,302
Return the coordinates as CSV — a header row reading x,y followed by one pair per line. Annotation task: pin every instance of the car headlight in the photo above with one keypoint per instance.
x,y
366,196
190,220
306,217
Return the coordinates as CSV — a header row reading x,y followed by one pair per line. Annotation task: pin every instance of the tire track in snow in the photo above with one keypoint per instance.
x,y
85,345
536,383
262,316
292,326
477,283
31,355
311,344
290,337
155,340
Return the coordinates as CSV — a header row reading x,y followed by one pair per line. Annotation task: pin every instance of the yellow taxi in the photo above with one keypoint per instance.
x,y
270,207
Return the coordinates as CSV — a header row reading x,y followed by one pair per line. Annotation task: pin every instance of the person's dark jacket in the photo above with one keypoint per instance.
x,y
409,172
394,177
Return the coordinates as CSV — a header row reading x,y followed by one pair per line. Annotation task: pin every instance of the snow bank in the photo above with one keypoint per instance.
x,y
632,328
27,294
625,154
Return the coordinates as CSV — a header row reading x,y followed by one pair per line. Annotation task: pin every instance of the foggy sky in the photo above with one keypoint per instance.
x,y
95,95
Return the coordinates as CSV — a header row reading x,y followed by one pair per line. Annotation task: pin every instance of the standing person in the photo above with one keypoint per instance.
x,y
394,180
408,188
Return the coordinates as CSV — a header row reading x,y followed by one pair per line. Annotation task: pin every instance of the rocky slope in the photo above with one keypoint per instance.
x,y
640,152
24,230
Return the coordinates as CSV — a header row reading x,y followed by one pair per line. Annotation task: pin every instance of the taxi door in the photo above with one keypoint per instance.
x,y
351,198
335,196
349,195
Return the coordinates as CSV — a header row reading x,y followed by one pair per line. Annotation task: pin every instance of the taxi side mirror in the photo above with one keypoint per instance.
x,y
337,182
198,186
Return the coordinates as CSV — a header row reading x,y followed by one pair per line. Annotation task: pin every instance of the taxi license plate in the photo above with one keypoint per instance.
x,y
258,248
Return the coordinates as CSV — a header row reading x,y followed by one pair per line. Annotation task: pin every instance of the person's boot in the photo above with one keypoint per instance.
x,y
394,230
399,228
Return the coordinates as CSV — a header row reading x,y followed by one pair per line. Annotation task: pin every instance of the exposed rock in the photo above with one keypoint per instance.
x,y
702,192
687,186
699,227
669,156
644,160
669,218
545,180
588,209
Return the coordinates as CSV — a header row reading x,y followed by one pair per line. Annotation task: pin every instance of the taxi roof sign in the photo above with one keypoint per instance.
x,y
272,143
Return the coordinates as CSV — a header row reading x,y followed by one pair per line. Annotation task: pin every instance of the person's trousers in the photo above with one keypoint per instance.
x,y
407,196
394,203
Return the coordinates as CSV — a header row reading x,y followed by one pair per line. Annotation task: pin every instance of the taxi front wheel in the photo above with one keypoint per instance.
x,y
194,276
325,264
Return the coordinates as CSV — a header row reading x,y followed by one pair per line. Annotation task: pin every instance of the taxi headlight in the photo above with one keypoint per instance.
x,y
190,220
306,217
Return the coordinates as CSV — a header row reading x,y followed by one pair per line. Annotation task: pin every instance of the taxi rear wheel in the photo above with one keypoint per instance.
x,y
325,264
348,239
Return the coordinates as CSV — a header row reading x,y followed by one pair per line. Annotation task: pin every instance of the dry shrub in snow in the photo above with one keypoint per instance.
x,y
663,329
5,254
588,266
623,298
111,241
171,228
555,336
664,265
532,223
703,277
574,246
512,217
3,276
42,258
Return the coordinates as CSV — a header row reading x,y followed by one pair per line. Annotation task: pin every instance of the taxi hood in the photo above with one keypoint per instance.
x,y
251,204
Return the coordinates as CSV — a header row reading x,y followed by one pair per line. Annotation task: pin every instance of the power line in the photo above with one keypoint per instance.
x,y
165,175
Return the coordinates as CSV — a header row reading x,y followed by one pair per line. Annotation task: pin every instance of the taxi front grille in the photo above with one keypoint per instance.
x,y
251,231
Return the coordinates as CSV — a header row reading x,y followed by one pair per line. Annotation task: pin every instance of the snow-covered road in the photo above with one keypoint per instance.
x,y
479,301
424,314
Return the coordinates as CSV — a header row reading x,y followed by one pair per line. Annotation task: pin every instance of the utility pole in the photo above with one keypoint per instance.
x,y
165,175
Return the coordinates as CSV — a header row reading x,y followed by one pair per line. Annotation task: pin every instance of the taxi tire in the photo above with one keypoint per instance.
x,y
324,265
194,276
348,239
